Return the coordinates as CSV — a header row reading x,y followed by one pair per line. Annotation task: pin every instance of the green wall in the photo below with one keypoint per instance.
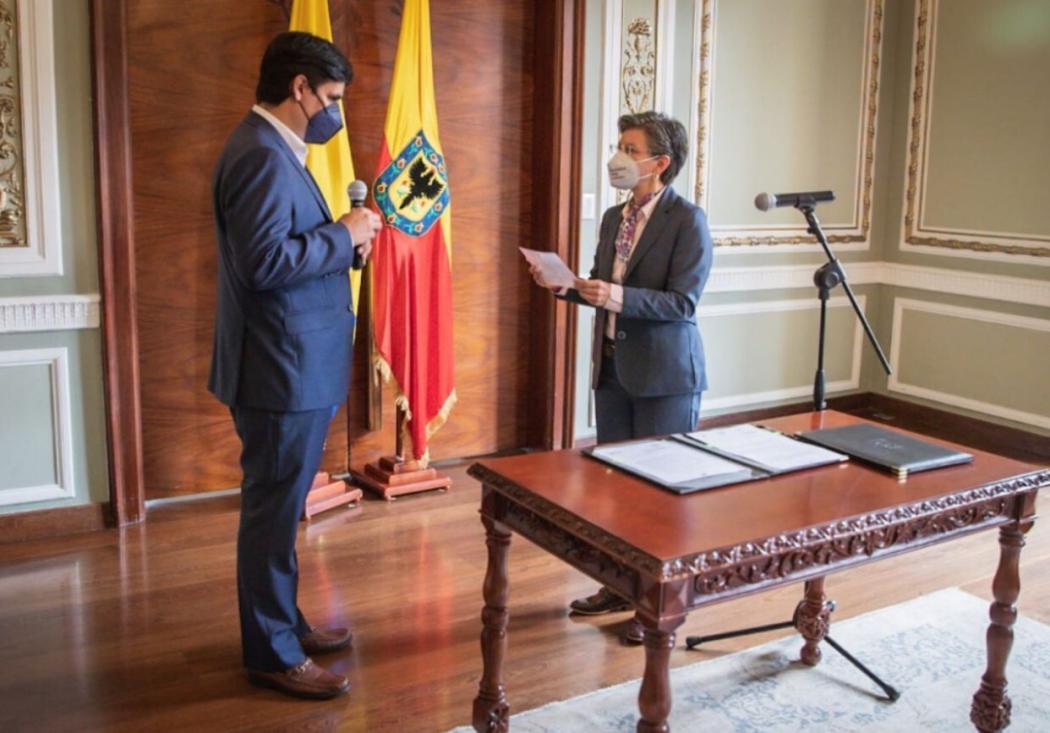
x,y
29,417
786,112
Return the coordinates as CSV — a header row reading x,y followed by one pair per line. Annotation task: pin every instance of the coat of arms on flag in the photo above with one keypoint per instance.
x,y
412,191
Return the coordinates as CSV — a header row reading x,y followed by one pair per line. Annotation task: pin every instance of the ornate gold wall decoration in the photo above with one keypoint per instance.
x,y
866,162
704,102
12,180
921,99
638,75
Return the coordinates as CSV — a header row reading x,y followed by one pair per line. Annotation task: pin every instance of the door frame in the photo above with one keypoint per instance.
x,y
116,252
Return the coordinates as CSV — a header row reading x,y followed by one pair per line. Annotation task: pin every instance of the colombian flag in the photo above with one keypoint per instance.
x,y
330,163
411,260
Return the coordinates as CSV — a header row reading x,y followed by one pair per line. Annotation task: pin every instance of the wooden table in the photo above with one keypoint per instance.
x,y
670,554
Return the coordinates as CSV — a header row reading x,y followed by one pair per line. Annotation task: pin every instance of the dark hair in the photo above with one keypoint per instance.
x,y
664,135
292,53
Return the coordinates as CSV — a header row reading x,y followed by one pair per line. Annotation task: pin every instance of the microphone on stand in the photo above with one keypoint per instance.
x,y
767,201
358,192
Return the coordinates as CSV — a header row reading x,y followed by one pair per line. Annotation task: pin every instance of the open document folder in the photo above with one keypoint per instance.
x,y
710,458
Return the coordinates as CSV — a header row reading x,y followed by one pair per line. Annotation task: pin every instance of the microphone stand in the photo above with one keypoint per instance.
x,y
826,278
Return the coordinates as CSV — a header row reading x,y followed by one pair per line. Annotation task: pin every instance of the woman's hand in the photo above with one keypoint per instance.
x,y
537,277
595,292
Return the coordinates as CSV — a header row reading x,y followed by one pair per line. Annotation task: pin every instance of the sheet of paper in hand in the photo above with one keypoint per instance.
x,y
553,270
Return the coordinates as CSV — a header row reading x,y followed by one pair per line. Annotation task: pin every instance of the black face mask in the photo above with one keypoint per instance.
x,y
322,126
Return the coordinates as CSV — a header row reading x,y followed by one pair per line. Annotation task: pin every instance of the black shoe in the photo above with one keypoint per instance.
x,y
604,601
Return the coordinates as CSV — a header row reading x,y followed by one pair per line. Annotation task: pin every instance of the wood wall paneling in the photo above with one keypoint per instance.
x,y
483,78
192,69
191,74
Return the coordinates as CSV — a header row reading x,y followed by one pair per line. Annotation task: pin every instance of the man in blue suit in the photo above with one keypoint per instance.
x,y
283,334
653,258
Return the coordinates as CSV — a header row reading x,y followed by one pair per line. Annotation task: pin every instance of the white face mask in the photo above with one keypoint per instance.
x,y
624,172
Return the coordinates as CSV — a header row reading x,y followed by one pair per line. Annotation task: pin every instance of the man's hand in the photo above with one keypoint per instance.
x,y
595,292
363,224
365,249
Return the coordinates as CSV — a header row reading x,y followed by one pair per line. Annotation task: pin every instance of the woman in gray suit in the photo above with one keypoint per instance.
x,y
653,257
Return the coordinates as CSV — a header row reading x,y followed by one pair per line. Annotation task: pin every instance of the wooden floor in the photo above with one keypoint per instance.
x,y
136,630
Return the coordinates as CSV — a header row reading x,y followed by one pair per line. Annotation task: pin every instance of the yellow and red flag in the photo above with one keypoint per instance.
x,y
412,257
330,163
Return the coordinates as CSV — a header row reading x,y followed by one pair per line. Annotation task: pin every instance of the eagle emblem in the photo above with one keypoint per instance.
x,y
412,191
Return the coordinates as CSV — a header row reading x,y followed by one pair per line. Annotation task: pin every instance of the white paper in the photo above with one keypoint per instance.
x,y
667,461
552,269
766,447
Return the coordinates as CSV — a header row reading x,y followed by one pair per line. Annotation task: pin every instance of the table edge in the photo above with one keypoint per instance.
x,y
861,534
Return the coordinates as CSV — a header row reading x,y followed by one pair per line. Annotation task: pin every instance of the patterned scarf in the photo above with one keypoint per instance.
x,y
625,237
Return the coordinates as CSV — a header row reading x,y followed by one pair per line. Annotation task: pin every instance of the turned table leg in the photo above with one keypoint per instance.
x,y
654,698
991,705
491,711
812,619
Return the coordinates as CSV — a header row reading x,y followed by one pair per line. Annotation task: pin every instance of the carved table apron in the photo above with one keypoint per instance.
x,y
671,554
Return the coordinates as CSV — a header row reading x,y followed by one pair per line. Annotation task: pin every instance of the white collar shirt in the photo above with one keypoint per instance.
x,y
294,142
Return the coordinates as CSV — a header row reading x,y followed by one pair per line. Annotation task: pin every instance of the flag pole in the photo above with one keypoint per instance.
x,y
393,476
399,439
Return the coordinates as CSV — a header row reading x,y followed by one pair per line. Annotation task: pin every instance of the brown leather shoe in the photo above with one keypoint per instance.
x,y
306,680
322,641
633,633
604,601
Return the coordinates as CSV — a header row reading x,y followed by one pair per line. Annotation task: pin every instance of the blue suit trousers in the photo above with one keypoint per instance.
x,y
622,416
281,452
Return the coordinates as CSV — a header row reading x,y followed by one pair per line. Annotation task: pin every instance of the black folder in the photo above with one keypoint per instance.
x,y
886,448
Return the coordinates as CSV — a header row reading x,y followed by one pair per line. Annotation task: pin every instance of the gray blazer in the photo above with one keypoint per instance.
x,y
659,351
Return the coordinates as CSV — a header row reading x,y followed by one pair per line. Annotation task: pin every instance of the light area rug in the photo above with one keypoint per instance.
x,y
931,649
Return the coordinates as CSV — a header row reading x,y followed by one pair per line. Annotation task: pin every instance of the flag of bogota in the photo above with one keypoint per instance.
x,y
412,274
330,164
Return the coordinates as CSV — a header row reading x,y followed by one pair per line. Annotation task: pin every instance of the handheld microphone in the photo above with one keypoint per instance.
x,y
358,192
767,201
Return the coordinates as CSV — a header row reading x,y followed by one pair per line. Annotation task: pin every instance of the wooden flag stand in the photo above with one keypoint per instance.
x,y
393,476
326,494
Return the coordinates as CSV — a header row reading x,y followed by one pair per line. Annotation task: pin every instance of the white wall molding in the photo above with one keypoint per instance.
x,y
43,256
1024,291
759,239
609,102
665,45
709,404
895,384
49,313
784,277
57,359
916,236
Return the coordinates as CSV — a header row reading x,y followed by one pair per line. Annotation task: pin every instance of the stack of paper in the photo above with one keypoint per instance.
x,y
765,449
673,464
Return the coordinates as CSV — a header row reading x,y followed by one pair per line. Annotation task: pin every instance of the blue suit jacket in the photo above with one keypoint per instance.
x,y
284,319
659,351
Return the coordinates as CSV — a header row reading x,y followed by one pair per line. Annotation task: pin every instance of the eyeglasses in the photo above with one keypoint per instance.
x,y
629,149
